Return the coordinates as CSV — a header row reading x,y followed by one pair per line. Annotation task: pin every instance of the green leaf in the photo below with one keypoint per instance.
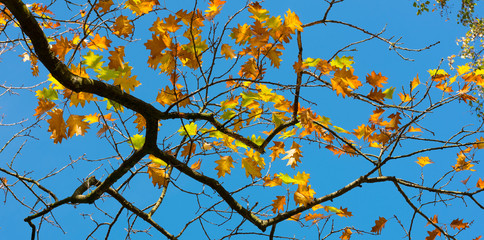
x,y
248,98
339,130
389,93
257,140
112,104
188,129
286,178
92,60
228,115
47,93
342,62
276,120
137,141
106,74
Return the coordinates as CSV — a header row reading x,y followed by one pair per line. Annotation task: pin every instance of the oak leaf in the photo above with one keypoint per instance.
x,y
215,6
379,225
276,181
188,149
227,51
459,224
415,83
304,195
480,183
122,26
196,165
344,212
346,234
434,219
57,126
278,204
62,47
140,7
158,175
116,58
44,106
76,125
422,161
99,43
251,167
224,165
104,5
376,80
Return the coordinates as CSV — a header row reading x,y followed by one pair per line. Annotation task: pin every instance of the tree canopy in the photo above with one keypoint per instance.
x,y
234,120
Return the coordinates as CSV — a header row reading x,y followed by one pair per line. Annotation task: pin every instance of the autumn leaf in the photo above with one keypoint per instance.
x,y
376,95
116,58
99,43
480,184
196,165
92,60
346,234
434,219
103,6
376,80
342,62
389,92
188,129
158,175
276,181
422,161
291,20
379,225
293,155
122,26
140,7
462,162
278,204
315,217
76,125
215,6
304,195
413,129
344,212
415,83
227,51
459,224
224,165
44,106
404,97
57,126
344,82
258,13
137,141
251,167
188,149
126,81
479,143
432,234
62,47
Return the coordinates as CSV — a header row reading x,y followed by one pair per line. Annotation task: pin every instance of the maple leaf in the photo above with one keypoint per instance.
x,y
76,125
227,51
116,58
158,175
376,80
140,7
422,161
57,126
278,204
459,224
215,6
44,106
99,43
379,225
346,234
62,47
224,165
122,26
480,183
140,122
251,167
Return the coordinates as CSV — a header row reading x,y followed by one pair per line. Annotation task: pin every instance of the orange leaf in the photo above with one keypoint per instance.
x,y
412,129
344,212
422,161
459,224
188,149
104,4
376,95
404,97
251,167
278,204
291,20
376,80
140,7
76,125
379,225
479,143
215,6
61,47
304,195
158,175
227,51
57,126
116,58
140,122
196,165
375,117
276,181
122,26
224,165
480,184
415,82
99,43
434,219
277,149
346,234
44,106
432,234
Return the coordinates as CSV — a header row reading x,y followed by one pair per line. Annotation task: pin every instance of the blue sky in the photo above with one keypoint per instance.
x,y
328,172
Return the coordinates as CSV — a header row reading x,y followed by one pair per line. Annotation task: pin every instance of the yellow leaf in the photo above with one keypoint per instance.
x,y
196,165
227,51
122,26
251,168
57,126
44,106
415,82
99,43
158,175
422,161
224,165
346,234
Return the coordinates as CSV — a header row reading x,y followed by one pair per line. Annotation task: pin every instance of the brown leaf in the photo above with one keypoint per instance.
x,y
379,225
